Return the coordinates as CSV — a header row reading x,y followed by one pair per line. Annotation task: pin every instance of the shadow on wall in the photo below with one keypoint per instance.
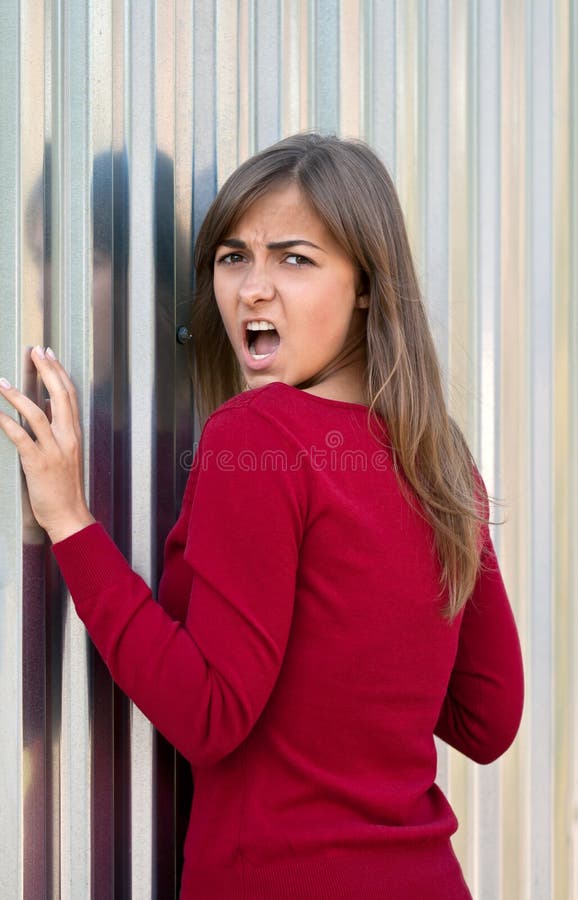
x,y
110,501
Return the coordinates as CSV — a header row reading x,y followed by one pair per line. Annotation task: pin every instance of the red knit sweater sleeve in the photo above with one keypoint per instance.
x,y
203,683
483,705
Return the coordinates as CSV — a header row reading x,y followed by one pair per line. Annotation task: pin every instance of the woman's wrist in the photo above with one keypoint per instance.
x,y
68,526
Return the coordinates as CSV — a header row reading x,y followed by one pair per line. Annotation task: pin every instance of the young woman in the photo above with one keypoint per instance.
x,y
330,597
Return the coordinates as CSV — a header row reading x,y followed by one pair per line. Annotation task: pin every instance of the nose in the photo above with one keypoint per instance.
x,y
256,284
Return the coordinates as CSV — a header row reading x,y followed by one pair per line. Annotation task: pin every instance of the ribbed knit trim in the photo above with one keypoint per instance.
x,y
80,560
397,873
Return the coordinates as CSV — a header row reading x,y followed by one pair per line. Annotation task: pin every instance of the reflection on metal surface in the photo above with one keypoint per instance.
x,y
118,122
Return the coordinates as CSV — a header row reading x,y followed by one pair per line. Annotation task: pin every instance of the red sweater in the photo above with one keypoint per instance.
x,y
301,663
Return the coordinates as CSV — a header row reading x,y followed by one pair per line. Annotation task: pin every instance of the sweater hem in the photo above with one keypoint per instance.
x,y
430,869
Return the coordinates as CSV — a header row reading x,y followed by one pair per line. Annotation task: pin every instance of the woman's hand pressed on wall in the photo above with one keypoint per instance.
x,y
51,458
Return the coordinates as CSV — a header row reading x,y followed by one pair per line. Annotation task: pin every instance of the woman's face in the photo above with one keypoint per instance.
x,y
279,264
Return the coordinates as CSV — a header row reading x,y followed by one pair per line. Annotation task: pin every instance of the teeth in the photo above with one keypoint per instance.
x,y
260,326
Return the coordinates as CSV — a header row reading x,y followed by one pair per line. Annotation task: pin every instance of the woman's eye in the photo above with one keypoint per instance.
x,y
230,259
294,259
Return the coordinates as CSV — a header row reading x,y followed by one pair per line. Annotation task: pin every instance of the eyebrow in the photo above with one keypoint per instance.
x,y
236,244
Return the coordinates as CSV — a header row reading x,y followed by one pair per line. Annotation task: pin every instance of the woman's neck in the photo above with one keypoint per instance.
x,y
341,386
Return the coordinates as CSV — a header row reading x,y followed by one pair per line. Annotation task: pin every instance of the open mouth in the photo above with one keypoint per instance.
x,y
263,342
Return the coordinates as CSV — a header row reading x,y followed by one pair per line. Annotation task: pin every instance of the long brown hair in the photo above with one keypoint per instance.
x,y
352,193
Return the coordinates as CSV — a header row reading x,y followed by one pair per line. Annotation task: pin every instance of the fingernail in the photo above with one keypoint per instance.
x,y
5,383
50,353
39,352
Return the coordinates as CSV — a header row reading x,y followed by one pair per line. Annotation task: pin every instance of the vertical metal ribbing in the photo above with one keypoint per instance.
x,y
292,69
267,72
461,322
435,204
12,771
350,69
486,833
564,366
573,454
204,83
228,102
325,64
515,437
109,850
410,105
540,370
381,80
24,838
71,332
474,109
141,146
164,825
435,163
183,194
246,75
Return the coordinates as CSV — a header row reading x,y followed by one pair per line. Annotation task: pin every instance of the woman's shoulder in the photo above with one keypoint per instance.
x,y
262,410
263,397
245,437
270,403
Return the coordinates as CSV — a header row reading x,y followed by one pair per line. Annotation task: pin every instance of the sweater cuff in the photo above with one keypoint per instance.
x,y
90,561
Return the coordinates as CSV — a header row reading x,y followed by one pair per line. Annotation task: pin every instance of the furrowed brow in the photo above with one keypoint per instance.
x,y
236,244
285,245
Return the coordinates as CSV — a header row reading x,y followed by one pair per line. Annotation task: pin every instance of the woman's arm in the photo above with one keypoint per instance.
x,y
203,683
483,706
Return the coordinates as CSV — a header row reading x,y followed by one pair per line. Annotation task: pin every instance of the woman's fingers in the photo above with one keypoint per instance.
x,y
67,382
34,416
30,385
61,405
63,416
53,463
15,432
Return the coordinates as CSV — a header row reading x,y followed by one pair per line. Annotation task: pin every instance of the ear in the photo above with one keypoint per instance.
x,y
362,301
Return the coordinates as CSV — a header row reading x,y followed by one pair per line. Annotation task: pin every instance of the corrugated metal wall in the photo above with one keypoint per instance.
x,y
117,122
